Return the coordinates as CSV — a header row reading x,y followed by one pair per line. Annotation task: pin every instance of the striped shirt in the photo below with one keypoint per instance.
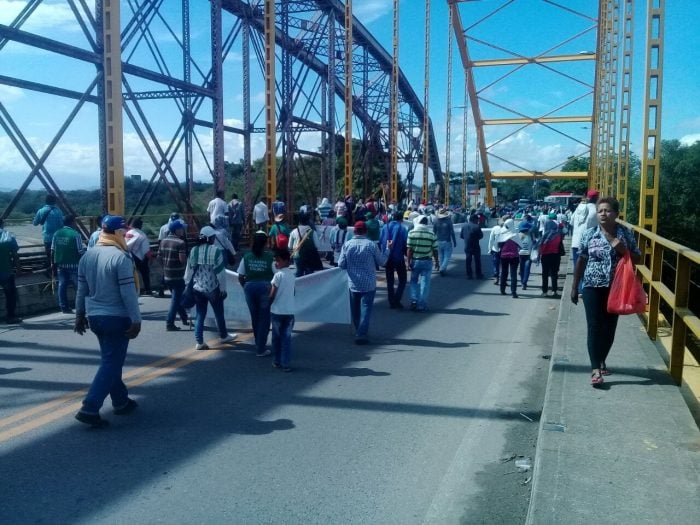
x,y
422,242
170,252
211,272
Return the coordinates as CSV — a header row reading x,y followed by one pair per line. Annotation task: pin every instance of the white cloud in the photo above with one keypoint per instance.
x,y
367,11
689,140
49,15
9,94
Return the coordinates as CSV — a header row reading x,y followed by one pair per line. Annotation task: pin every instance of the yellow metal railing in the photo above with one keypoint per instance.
x,y
654,276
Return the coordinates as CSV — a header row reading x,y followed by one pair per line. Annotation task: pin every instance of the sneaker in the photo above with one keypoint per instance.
x,y
264,354
172,328
130,406
361,341
229,338
201,346
94,420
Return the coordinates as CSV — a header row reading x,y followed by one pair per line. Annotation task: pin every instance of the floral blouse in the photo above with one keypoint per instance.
x,y
601,257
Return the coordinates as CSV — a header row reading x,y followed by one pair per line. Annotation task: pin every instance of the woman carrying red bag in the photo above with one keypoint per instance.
x,y
602,247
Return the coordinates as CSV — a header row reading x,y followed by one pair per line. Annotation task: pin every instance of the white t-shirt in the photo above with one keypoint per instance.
x,y
260,213
137,243
283,304
217,209
584,217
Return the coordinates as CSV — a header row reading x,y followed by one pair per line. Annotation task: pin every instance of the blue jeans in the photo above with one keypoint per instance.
x,y
496,263
420,282
176,288
525,264
257,296
65,277
444,254
282,326
201,301
361,310
110,332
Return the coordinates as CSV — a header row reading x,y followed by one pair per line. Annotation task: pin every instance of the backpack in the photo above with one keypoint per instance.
x,y
306,251
282,238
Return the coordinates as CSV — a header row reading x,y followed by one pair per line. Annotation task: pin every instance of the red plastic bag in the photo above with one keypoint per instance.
x,y
626,293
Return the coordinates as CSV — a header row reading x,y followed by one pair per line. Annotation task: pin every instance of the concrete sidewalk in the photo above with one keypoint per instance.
x,y
627,453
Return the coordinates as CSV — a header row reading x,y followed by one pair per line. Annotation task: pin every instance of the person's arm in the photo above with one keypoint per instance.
x,y
241,272
342,261
578,274
409,258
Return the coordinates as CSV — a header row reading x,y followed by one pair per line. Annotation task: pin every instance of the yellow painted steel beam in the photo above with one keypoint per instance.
x,y
114,133
623,154
465,183
651,149
270,102
426,100
348,97
539,174
541,120
533,60
458,30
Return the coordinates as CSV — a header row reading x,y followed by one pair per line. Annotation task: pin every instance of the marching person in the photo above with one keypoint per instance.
x,y
360,256
173,256
601,249
205,266
66,250
445,233
422,244
393,241
50,217
140,249
282,310
472,235
107,303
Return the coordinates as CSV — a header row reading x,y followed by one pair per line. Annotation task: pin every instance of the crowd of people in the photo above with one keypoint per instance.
x,y
112,270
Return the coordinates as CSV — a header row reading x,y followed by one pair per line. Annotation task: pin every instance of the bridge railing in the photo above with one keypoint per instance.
x,y
670,274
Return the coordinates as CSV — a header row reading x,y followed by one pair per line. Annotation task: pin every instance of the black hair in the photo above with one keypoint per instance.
x,y
398,216
259,242
282,253
612,201
137,223
50,199
69,220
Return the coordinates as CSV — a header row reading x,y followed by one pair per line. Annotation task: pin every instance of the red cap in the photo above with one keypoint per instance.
x,y
592,193
360,227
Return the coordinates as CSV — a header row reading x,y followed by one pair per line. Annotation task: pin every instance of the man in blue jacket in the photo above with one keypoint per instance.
x,y
393,240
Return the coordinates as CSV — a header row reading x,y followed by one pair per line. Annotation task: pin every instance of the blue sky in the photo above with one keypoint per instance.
x,y
521,26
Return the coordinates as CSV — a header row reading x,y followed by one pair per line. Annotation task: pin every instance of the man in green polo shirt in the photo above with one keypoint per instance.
x,y
66,249
422,246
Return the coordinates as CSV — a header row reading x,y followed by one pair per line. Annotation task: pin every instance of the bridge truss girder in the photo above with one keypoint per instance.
x,y
194,94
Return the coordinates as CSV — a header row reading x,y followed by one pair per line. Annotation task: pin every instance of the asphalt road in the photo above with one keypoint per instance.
x,y
422,426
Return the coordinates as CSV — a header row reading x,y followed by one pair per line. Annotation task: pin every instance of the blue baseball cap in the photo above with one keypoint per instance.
x,y
176,225
112,223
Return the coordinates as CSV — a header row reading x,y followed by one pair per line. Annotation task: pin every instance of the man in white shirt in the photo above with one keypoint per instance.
x,y
495,250
218,210
261,215
139,246
585,216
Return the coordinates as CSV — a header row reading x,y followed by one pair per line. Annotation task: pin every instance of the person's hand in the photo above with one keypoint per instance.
x,y
574,295
81,324
133,331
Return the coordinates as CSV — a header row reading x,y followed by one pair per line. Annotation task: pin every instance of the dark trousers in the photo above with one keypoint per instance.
x,y
399,267
236,235
8,285
601,324
476,257
177,287
142,267
550,270
509,267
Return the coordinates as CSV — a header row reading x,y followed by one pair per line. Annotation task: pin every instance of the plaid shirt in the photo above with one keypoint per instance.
x,y
359,257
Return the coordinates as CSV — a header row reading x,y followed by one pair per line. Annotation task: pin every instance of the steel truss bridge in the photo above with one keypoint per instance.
x,y
304,79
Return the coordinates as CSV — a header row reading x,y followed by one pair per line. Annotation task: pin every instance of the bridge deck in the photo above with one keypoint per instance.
x,y
405,430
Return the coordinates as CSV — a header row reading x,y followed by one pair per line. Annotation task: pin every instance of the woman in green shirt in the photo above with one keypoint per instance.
x,y
255,273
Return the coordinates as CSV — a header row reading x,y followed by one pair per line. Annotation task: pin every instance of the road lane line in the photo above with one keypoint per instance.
x,y
137,377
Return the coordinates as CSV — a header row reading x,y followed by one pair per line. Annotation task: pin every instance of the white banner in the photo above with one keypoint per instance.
x,y
321,297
